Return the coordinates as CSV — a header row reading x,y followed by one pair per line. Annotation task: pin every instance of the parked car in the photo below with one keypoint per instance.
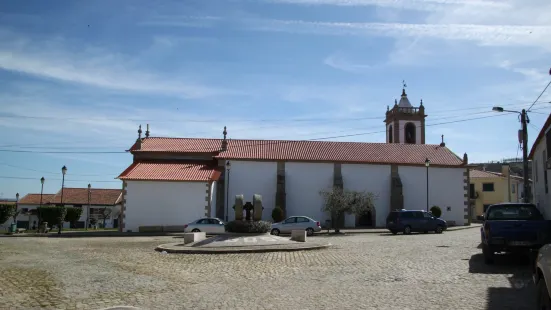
x,y
408,221
513,227
542,275
296,223
210,225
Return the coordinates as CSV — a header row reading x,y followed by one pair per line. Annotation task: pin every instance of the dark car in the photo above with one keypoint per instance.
x,y
513,227
408,221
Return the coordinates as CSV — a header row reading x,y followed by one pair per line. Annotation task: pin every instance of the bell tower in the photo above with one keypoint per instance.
x,y
404,122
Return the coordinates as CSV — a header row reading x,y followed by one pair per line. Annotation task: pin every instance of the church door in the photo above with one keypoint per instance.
x,y
365,220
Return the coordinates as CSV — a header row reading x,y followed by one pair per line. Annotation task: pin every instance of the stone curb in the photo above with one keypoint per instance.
x,y
173,248
383,231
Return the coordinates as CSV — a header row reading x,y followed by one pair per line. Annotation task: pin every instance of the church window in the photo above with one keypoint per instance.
x,y
390,134
409,131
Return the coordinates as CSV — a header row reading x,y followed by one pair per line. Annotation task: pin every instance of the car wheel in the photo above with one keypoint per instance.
x,y
309,232
488,255
195,230
543,296
407,230
394,232
275,232
439,229
426,232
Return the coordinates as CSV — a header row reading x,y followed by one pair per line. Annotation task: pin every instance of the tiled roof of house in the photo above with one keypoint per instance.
x,y
474,173
79,196
162,171
34,199
321,151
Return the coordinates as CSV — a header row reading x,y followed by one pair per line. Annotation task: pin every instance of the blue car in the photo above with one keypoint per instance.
x,y
408,221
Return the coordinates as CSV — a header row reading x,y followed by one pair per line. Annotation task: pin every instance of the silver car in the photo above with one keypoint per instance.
x,y
210,225
296,223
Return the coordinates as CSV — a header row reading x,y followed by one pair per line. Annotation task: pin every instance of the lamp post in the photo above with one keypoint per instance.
x,y
63,171
427,164
16,207
228,167
41,189
88,211
524,121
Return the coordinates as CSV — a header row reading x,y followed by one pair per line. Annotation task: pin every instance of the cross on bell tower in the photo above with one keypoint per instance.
x,y
404,122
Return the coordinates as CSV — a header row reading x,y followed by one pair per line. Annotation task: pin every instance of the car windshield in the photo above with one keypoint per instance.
x,y
514,212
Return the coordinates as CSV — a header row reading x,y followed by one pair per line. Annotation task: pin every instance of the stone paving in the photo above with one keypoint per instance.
x,y
367,271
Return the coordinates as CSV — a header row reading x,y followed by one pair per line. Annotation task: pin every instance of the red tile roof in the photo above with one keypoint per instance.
x,y
322,151
474,173
540,136
79,196
34,199
160,171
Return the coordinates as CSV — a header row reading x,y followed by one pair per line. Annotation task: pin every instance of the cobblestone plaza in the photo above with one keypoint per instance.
x,y
363,271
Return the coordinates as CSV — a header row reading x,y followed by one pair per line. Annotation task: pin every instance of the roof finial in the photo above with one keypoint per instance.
x,y
442,144
395,102
421,102
225,142
140,132
404,85
147,131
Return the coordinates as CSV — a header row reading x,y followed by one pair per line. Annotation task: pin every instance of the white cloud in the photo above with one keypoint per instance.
x,y
422,5
94,67
339,62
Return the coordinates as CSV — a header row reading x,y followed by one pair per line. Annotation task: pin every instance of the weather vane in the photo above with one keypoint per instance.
x,y
404,83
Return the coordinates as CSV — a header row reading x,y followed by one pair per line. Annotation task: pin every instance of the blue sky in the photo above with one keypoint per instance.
x,y
80,76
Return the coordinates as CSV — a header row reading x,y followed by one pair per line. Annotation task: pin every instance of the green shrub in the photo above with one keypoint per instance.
x,y
6,211
52,215
255,227
73,215
436,211
278,215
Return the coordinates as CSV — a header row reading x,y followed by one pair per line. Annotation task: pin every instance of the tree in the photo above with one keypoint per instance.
x,y
105,213
339,202
6,211
73,215
53,215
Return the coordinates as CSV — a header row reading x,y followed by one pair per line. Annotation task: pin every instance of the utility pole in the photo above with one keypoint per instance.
x,y
524,121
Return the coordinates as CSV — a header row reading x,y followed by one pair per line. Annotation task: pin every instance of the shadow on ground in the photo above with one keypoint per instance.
x,y
521,291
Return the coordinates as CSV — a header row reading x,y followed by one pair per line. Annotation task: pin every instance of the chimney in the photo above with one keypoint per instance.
x,y
442,144
465,159
147,131
139,140
505,170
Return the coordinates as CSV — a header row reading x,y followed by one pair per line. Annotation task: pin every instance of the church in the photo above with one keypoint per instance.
x,y
173,181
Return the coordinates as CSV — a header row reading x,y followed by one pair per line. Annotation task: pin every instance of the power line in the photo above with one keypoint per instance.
x,y
49,172
66,180
541,94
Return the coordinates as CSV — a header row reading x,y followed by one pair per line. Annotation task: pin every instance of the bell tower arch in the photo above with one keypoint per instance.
x,y
404,122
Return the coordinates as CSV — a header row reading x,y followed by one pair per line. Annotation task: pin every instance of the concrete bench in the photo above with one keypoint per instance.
x,y
194,237
298,235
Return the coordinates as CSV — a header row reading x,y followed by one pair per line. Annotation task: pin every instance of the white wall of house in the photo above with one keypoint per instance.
x,y
253,177
371,178
152,203
445,190
540,197
303,182
213,199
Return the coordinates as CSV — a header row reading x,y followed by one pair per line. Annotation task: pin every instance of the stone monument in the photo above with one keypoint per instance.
x,y
238,207
257,205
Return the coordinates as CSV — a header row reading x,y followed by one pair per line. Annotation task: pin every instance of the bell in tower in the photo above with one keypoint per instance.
x,y
404,122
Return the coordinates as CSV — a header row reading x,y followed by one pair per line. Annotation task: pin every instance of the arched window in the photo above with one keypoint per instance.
x,y
409,131
390,134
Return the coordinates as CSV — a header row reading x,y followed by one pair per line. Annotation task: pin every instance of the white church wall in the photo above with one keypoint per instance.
x,y
303,182
445,190
213,196
540,197
371,178
153,203
253,177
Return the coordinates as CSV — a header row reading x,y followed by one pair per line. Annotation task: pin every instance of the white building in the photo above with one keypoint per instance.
x,y
173,181
104,204
539,155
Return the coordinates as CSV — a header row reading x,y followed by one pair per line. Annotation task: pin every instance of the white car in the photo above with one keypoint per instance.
x,y
296,223
210,225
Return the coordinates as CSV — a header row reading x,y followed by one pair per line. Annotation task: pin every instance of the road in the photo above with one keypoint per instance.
x,y
364,271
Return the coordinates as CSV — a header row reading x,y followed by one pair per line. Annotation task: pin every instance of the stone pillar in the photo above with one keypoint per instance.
x,y
339,183
467,211
281,199
396,193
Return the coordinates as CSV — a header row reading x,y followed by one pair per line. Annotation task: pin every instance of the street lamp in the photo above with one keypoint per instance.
x,y
524,121
427,164
63,171
16,205
228,167
88,211
41,192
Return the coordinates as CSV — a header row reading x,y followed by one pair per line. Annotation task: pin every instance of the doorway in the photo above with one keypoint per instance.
x,y
365,220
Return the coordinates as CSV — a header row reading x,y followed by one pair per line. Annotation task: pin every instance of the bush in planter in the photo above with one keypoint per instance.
x,y
278,215
6,211
73,215
436,211
52,215
255,227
